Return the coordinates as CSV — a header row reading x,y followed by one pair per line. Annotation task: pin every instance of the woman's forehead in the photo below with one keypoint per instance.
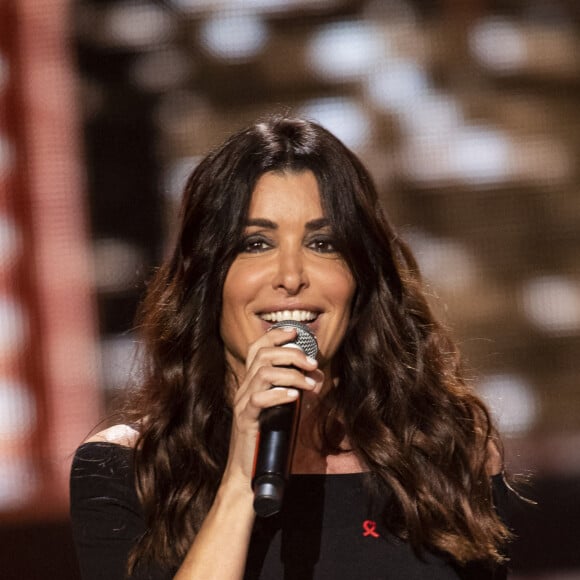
x,y
280,194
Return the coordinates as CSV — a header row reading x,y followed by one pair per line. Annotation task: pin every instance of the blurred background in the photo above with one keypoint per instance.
x,y
465,111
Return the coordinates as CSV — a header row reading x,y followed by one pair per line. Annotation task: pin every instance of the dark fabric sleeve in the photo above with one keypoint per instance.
x,y
106,515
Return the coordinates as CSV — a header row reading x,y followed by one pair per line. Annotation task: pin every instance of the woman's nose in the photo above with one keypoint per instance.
x,y
291,274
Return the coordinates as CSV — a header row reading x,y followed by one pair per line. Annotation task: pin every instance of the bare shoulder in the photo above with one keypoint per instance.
x,y
118,434
494,463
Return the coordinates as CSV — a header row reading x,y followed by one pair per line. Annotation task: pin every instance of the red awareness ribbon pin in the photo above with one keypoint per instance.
x,y
370,529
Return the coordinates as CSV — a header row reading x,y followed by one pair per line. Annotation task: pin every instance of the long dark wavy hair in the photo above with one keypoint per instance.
x,y
400,397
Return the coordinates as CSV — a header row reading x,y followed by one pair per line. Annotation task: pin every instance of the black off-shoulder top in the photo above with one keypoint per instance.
x,y
327,529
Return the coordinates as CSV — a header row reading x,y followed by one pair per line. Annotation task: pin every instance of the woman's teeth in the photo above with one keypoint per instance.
x,y
296,315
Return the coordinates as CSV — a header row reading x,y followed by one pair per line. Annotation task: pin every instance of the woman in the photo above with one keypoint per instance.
x,y
396,460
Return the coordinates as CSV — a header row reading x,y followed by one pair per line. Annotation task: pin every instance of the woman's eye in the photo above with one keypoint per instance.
x,y
322,245
254,245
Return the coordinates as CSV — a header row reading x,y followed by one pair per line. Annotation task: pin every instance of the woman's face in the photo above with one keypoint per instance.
x,y
287,269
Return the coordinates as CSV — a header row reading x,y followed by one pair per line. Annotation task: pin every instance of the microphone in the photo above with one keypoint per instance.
x,y
278,426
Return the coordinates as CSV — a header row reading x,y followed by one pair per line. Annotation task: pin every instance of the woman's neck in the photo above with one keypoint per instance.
x,y
308,458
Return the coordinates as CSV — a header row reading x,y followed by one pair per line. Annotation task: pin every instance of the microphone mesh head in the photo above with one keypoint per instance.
x,y
305,340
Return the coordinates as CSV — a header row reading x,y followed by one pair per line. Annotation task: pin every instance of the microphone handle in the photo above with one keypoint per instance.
x,y
275,447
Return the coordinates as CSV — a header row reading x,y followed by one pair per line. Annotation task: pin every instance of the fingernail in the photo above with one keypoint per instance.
x,y
292,393
284,328
310,381
311,360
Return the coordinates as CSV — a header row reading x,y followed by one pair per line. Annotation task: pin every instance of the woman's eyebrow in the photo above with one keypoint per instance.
x,y
311,225
317,224
262,223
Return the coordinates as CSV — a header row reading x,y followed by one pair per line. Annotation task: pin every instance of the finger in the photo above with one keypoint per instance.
x,y
282,357
251,408
269,377
276,396
318,377
275,337
265,377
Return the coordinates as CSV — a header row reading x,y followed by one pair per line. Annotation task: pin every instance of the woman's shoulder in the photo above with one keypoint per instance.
x,y
494,463
110,450
106,455
102,475
123,435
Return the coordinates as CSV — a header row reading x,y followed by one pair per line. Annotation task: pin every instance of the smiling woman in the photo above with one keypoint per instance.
x,y
287,269
396,465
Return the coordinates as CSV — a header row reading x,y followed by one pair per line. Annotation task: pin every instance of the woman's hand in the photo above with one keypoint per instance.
x,y
273,377
267,365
